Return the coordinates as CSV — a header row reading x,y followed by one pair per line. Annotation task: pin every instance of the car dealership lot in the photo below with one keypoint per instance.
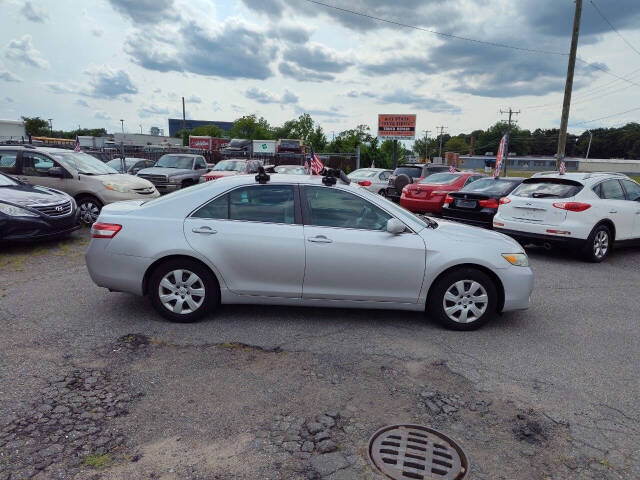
x,y
551,391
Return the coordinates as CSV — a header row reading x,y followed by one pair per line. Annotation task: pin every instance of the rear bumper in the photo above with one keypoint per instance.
x,y
525,238
481,218
392,194
426,205
122,273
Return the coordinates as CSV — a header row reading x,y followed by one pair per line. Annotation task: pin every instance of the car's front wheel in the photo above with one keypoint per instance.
x,y
183,290
463,299
89,207
598,245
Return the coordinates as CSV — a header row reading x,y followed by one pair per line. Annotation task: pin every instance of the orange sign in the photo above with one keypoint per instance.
x,y
397,127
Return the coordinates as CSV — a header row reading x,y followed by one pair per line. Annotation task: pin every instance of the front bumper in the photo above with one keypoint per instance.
x,y
112,197
167,187
23,229
518,286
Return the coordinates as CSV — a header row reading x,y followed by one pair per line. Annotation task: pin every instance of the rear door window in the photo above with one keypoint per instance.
x,y
8,161
548,188
262,203
612,190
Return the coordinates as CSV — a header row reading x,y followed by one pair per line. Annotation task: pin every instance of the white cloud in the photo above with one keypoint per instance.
x,y
21,50
33,12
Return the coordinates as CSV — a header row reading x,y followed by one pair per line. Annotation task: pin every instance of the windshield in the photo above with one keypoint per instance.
x,y
362,173
83,163
117,163
293,170
7,181
491,186
548,188
175,161
440,178
230,166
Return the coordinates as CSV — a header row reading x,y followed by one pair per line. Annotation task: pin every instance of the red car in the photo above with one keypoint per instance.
x,y
226,168
428,194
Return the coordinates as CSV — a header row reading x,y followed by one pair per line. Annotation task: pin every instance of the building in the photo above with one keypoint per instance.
x,y
12,130
141,140
175,125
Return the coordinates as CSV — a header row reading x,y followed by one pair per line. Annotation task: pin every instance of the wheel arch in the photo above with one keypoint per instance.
x,y
487,271
159,261
609,224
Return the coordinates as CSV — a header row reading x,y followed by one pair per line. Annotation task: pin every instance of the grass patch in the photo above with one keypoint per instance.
x,y
97,461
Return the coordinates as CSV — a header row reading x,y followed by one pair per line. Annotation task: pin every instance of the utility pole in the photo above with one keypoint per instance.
x,y
140,129
426,144
184,118
511,112
589,147
562,140
50,127
442,129
122,124
395,154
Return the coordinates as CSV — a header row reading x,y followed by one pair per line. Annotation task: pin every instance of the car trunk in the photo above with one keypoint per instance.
x,y
469,202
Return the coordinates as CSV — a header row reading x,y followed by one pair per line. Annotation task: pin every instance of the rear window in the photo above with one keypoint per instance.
x,y
411,171
548,188
490,186
440,178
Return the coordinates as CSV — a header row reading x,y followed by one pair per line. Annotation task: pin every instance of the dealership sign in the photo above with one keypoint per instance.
x,y
397,127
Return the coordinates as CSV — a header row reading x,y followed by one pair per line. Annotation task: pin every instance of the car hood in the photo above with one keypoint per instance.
x,y
31,195
454,233
129,181
169,172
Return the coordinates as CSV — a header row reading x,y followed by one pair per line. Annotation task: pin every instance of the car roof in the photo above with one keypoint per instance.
x,y
582,177
298,166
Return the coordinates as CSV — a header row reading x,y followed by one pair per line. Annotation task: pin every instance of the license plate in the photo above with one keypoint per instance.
x,y
466,203
530,213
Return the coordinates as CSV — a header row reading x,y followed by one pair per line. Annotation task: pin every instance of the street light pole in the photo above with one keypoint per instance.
x,y
589,147
50,127
122,123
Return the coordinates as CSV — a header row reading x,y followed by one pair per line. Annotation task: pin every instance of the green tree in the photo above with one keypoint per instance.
x,y
208,131
36,126
251,127
456,144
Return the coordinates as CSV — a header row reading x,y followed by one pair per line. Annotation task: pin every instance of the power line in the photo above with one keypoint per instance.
x,y
593,4
608,116
434,32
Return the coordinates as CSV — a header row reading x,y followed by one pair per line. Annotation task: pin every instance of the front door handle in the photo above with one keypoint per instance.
x,y
320,239
204,230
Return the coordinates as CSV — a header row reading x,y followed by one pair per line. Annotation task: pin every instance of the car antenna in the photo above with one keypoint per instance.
x,y
262,176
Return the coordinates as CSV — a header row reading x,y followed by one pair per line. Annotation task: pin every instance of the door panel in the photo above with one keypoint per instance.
x,y
363,265
35,169
616,207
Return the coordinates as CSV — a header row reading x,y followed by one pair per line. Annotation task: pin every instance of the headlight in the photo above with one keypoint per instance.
x,y
517,259
14,211
175,180
116,187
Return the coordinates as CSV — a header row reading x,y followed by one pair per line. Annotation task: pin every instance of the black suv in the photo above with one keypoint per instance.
x,y
406,174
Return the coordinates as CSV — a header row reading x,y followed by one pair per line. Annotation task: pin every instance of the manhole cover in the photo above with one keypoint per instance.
x,y
404,452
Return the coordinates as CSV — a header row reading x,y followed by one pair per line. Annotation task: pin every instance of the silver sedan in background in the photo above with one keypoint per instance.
x,y
373,179
303,241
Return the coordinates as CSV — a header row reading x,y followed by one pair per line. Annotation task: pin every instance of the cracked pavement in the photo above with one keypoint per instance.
x,y
570,363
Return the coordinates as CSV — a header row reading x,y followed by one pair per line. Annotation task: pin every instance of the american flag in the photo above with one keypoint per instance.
x,y
496,172
77,147
316,163
563,167
452,169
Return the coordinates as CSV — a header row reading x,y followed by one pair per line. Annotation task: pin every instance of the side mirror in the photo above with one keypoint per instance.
x,y
56,172
395,226
135,171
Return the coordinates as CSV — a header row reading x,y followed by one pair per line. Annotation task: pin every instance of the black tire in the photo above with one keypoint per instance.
x,y
467,275
402,181
382,192
186,184
598,245
206,281
90,208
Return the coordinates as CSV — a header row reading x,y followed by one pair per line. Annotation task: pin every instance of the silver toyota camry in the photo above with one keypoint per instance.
x,y
303,241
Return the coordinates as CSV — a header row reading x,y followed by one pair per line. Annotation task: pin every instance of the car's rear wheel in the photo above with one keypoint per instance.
x,y
598,245
382,192
463,299
89,207
183,290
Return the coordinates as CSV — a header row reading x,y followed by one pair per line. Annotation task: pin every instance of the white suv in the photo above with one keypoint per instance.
x,y
590,211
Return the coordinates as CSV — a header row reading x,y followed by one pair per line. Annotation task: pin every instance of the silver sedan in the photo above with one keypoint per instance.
x,y
375,180
298,240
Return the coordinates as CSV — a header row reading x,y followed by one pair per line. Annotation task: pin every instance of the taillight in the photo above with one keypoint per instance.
x,y
364,183
505,200
572,206
448,199
104,230
490,203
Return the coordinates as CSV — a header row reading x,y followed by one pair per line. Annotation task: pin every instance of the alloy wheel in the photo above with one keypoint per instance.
x,y
181,291
89,212
601,244
465,301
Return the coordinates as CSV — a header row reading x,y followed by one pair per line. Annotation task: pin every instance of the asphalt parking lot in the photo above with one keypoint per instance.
x,y
94,385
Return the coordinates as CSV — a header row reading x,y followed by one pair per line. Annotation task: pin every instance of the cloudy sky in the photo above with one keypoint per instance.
x,y
134,60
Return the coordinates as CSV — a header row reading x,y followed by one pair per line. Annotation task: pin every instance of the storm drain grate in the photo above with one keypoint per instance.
x,y
406,452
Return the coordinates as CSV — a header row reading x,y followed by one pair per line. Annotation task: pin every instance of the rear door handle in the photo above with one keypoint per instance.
x,y
204,230
613,211
320,239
